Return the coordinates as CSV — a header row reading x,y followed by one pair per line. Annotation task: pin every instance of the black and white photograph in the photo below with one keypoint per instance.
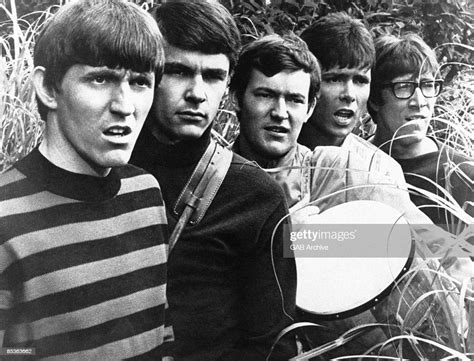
x,y
235,180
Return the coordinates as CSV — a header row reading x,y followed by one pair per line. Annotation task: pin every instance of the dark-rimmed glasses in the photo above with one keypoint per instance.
x,y
405,89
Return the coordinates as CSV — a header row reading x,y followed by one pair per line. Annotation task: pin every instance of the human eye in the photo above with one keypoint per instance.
x,y
176,70
296,99
428,84
333,79
142,81
215,75
361,80
402,85
263,94
98,79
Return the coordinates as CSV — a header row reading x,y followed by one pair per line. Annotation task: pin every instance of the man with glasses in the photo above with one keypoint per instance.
x,y
402,98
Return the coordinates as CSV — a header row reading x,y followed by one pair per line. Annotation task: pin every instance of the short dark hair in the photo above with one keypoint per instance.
x,y
396,56
340,40
272,54
112,33
207,27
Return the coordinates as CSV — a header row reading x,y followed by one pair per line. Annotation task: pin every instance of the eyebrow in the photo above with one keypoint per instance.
x,y
180,66
270,90
175,65
105,71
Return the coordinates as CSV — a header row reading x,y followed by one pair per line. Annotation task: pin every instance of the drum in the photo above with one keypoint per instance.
x,y
378,277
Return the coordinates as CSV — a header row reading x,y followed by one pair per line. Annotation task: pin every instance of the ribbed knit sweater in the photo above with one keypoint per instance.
x,y
82,262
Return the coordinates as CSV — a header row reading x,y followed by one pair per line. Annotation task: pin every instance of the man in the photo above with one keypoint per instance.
x,y
403,94
345,50
230,291
82,235
276,83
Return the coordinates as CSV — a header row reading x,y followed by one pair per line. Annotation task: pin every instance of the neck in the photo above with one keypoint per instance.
x,y
180,153
54,153
244,149
313,137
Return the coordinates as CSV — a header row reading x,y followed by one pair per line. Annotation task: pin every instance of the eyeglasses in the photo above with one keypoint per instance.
x,y
405,89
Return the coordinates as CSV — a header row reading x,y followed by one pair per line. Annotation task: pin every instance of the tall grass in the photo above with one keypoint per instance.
x,y
21,126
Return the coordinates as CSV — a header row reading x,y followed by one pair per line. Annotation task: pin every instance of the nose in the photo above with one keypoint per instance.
x,y
417,100
279,109
196,91
348,92
122,102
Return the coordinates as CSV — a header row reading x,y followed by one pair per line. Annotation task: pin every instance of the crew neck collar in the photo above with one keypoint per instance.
x,y
59,181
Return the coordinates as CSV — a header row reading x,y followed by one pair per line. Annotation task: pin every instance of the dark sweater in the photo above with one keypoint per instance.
x,y
225,301
82,262
432,166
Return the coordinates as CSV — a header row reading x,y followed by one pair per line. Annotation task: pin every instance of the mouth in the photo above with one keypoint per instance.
x,y
276,129
192,115
118,131
415,117
344,116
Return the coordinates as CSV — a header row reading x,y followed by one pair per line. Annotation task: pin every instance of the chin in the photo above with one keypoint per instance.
x,y
116,159
275,153
340,132
410,139
190,134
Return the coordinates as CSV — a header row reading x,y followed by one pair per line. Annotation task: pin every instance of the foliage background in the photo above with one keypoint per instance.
x,y
446,25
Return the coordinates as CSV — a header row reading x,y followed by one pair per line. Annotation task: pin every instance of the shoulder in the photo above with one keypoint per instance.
x,y
11,176
457,160
14,183
376,158
247,178
362,146
132,173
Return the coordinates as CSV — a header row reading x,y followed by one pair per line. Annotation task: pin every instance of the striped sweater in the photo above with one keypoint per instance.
x,y
82,262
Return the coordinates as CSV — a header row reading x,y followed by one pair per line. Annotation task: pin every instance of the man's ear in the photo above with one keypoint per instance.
x,y
373,109
373,105
45,94
311,107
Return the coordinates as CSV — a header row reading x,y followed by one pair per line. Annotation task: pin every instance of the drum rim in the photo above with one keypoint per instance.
x,y
369,304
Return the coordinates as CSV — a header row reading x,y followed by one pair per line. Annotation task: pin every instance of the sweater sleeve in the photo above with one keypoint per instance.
x,y
5,305
6,294
269,290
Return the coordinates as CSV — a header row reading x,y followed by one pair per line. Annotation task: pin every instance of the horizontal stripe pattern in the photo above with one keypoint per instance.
x,y
12,176
135,345
52,216
91,294
82,279
30,203
91,272
68,234
96,336
138,183
94,315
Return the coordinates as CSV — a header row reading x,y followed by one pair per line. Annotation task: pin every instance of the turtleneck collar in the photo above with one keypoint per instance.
x,y
59,181
181,154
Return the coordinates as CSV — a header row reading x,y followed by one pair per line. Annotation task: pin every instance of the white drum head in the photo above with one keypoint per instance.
x,y
337,286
